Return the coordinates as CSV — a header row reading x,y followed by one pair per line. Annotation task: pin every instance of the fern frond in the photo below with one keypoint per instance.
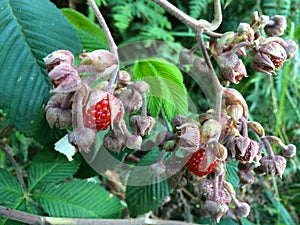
x,y
198,7
152,31
123,15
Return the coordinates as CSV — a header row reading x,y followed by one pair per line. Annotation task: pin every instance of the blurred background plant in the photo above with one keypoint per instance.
x,y
273,101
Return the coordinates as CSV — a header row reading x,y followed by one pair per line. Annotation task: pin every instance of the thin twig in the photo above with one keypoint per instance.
x,y
111,43
44,220
16,166
6,130
218,87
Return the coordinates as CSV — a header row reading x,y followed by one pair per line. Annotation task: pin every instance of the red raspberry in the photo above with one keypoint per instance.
x,y
98,116
197,163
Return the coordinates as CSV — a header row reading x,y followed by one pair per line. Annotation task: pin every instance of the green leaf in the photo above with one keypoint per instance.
x,y
92,36
10,189
11,194
51,170
151,190
29,31
79,199
167,89
232,174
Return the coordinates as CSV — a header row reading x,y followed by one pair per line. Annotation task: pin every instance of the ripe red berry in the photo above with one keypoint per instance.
x,y
197,163
98,116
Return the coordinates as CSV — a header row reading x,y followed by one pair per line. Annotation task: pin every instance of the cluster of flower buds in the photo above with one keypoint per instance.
x,y
83,102
209,144
268,54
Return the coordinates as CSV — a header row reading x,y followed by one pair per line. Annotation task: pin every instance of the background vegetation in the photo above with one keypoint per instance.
x,y
273,101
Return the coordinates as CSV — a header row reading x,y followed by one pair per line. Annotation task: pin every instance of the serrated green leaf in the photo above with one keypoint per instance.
x,y
167,89
151,190
11,194
79,199
10,189
92,36
43,173
232,174
29,31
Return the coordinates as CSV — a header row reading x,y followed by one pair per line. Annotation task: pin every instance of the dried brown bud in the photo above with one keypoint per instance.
x,y
270,56
275,26
142,124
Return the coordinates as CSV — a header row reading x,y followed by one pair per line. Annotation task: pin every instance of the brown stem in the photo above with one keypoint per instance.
x,y
16,166
44,220
218,87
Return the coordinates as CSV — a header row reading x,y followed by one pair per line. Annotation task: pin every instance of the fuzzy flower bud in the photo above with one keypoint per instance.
x,y
275,26
245,173
58,57
56,115
210,131
100,59
290,151
215,210
270,56
124,76
189,137
233,97
245,32
64,78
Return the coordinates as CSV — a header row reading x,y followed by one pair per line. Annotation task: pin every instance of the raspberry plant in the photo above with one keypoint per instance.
x,y
92,100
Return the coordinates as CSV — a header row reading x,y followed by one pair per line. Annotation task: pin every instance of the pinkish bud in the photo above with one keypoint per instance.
x,y
245,32
124,76
142,124
235,74
100,59
270,57
65,78
245,173
246,150
56,115
58,57
275,26
215,210
291,48
235,112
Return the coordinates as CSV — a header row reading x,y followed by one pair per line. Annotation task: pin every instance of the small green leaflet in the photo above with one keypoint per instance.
x,y
167,90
